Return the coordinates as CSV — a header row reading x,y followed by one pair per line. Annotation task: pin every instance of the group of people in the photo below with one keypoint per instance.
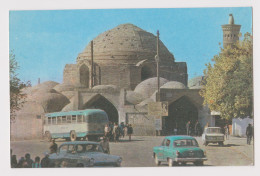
x,y
193,129
27,162
113,131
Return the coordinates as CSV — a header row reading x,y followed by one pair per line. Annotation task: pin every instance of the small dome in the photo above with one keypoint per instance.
x,y
43,87
149,86
231,19
145,102
105,87
51,102
134,97
174,85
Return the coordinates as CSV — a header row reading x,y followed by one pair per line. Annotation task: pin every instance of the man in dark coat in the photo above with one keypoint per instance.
x,y
28,160
249,133
45,162
53,147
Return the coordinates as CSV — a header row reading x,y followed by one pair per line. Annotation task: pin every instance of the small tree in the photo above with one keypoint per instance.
x,y
17,98
228,87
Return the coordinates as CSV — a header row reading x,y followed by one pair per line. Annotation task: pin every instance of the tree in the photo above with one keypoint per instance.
x,y
228,84
17,98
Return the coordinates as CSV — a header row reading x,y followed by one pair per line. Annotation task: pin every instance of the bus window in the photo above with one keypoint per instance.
x,y
87,118
49,120
64,119
74,119
59,120
53,121
79,119
69,119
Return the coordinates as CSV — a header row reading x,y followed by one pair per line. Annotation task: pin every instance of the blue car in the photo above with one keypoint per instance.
x,y
179,150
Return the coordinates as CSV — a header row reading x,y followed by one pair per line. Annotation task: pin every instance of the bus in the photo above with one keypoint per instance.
x,y
88,124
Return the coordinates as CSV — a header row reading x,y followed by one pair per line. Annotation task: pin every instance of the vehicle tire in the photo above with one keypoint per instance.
x,y
170,162
48,136
158,163
221,143
73,136
198,163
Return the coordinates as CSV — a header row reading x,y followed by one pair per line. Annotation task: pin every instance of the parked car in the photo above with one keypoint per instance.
x,y
179,149
83,154
213,135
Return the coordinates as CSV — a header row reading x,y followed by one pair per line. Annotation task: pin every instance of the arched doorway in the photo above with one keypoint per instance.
x,y
84,75
147,72
100,102
180,112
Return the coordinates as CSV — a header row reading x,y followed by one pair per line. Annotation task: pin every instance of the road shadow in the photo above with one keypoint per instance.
x,y
225,145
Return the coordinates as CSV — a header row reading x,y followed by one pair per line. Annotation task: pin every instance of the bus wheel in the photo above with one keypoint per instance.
x,y
47,136
73,136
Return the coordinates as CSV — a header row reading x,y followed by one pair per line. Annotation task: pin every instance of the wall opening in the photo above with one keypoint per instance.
x,y
147,72
100,102
84,75
180,112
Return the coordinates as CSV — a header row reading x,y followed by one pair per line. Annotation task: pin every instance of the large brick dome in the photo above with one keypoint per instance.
x,y
125,43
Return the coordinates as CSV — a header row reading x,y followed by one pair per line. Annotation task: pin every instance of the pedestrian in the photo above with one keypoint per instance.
x,y
197,128
36,163
226,132
130,131
111,136
28,160
249,133
45,162
107,130
105,145
13,161
188,128
126,129
116,132
53,147
121,127
20,162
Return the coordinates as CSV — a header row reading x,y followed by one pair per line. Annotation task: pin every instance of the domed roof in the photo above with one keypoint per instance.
x,y
43,87
149,86
63,87
129,40
134,97
174,85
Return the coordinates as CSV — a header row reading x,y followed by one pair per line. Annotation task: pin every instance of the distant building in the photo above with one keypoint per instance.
x,y
124,82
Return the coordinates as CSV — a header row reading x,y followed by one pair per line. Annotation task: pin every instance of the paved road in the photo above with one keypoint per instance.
x,y
138,153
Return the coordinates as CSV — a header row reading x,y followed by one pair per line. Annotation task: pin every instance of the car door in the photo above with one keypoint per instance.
x,y
167,149
160,150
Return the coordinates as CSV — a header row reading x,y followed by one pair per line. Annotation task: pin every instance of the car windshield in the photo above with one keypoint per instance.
x,y
80,148
185,143
213,130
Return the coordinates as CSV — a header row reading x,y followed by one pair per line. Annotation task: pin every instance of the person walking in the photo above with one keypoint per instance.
x,y
188,128
53,147
226,132
105,145
197,128
107,130
130,131
125,130
36,163
249,133
116,132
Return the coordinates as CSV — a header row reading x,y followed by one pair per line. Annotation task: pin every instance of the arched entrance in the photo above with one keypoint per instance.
x,y
100,102
147,72
84,75
180,112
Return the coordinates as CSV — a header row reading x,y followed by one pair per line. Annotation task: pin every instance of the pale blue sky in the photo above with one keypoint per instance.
x,y
45,41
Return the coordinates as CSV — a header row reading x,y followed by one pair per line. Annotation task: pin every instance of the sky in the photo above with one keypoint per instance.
x,y
44,41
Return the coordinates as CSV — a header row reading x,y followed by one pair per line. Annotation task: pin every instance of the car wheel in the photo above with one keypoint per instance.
x,y
221,143
198,163
73,136
156,160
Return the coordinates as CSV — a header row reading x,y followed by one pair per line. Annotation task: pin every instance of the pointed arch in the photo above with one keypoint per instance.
x,y
100,102
84,75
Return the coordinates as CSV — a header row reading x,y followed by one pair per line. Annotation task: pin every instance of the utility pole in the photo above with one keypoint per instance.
x,y
157,59
92,65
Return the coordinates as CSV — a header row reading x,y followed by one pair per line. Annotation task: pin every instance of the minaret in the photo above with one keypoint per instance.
x,y
230,32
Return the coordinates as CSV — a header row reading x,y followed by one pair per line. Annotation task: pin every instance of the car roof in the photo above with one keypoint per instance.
x,y
79,142
178,137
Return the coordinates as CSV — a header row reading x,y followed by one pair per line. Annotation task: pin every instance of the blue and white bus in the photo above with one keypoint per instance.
x,y
72,125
